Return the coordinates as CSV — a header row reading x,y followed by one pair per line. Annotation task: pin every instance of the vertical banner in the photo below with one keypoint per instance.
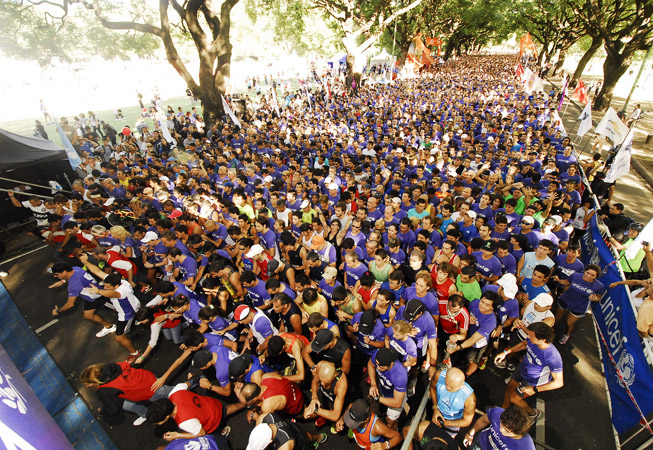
x,y
24,422
71,153
627,373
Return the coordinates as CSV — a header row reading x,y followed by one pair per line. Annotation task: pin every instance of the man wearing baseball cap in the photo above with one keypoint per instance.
x,y
328,283
329,347
246,367
261,258
488,266
219,357
426,337
388,382
367,428
260,326
275,434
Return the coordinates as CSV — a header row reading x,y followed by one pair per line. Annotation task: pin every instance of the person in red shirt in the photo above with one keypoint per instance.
x,y
195,415
454,321
120,386
274,394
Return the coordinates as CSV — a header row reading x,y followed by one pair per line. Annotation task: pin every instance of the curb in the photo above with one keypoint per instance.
x,y
639,167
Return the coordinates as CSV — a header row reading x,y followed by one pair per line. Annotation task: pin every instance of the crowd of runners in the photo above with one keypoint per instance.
x,y
311,267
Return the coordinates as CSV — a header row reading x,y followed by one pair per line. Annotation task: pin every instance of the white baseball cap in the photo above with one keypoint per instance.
x,y
543,300
256,249
260,437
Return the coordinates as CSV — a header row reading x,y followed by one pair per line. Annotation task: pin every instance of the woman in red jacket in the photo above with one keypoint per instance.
x,y
120,386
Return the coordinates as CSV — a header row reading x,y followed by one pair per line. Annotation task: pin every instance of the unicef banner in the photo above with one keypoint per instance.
x,y
24,422
627,372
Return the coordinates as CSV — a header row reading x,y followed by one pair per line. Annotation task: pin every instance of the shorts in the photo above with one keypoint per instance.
x,y
97,303
123,326
395,413
474,355
563,305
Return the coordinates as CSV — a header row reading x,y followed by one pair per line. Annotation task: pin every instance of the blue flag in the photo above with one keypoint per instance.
x,y
73,157
628,375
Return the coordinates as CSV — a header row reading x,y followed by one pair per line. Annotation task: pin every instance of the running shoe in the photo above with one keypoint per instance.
x,y
322,440
139,421
411,386
500,364
104,331
320,422
563,340
482,363
225,431
535,416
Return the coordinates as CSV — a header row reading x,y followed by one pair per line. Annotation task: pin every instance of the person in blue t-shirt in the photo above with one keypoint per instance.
x,y
500,429
388,382
540,370
581,289
532,287
482,322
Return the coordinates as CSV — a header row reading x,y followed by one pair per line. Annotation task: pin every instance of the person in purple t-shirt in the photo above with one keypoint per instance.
x,y
567,264
416,314
388,382
482,322
540,370
502,429
354,270
582,288
488,266
370,331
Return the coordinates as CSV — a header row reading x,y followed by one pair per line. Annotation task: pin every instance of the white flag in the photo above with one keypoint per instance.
x,y
557,123
163,124
621,164
612,127
585,120
231,114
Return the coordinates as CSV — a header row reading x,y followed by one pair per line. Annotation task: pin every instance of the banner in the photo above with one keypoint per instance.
x,y
71,153
585,119
621,164
612,127
24,422
230,113
627,373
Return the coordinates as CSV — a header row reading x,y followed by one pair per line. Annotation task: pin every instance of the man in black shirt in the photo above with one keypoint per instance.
x,y
330,348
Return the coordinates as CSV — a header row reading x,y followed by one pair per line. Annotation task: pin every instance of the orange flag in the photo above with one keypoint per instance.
x,y
419,45
580,93
526,45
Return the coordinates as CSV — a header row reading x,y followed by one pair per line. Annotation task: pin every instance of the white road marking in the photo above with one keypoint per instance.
x,y
47,325
541,423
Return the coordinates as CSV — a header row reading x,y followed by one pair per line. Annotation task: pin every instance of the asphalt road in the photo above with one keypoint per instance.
x,y
576,416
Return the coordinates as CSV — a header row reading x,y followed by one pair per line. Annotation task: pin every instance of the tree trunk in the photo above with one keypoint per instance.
x,y
580,68
561,61
353,73
614,67
449,49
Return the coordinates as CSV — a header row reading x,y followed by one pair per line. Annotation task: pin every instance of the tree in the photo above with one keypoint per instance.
x,y
402,33
361,23
553,24
625,27
472,24
27,33
205,22
585,59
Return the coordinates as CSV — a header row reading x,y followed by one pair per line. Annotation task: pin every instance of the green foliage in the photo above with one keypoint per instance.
x,y
27,33
472,24
553,24
295,26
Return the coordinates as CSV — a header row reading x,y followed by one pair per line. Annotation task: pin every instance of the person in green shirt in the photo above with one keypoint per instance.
x,y
630,266
307,212
240,201
521,193
467,285
419,210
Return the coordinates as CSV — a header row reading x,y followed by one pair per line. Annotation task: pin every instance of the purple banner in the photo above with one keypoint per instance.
x,y
24,422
